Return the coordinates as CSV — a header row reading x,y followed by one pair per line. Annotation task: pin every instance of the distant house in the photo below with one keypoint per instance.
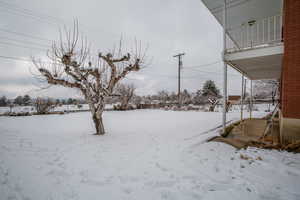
x,y
234,99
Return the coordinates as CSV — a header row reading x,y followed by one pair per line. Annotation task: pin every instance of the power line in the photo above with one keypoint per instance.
x,y
26,15
22,46
23,60
25,35
203,65
44,17
201,71
26,42
30,11
153,74
15,58
33,14
160,75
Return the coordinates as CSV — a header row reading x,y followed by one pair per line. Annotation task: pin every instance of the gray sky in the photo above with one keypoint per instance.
x,y
168,26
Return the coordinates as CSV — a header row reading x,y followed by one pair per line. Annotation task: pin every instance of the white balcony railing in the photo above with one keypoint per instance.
x,y
255,33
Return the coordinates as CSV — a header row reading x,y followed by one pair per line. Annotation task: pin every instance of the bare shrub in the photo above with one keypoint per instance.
x,y
43,105
125,93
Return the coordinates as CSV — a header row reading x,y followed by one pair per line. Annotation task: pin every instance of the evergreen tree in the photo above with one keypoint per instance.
x,y
211,94
3,101
210,89
70,101
18,100
26,100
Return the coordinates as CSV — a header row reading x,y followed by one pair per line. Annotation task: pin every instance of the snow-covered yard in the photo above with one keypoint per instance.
x,y
146,154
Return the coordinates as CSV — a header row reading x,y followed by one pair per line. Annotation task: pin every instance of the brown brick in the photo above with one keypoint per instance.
x,y
290,83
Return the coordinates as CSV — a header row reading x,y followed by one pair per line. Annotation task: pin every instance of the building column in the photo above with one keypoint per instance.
x,y
242,98
225,69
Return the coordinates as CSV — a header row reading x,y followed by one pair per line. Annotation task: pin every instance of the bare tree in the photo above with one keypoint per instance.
x,y
198,98
213,101
73,66
43,105
137,100
163,96
266,88
126,93
185,97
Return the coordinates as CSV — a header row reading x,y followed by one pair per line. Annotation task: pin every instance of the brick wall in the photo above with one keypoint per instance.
x,y
290,87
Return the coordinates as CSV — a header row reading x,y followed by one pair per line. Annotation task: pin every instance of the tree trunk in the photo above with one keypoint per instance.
x,y
124,103
212,108
97,118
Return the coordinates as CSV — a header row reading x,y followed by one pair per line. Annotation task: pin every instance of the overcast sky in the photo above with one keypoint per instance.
x,y
168,26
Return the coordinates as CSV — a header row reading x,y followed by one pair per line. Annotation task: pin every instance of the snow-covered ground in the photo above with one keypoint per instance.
x,y
65,108
145,155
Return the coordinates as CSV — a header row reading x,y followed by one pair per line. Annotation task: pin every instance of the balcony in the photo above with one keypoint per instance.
x,y
255,48
255,34
254,43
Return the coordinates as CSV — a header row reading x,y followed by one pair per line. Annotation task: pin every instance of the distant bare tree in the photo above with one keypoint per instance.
x,y
266,89
173,97
213,102
137,100
198,98
185,97
163,96
73,66
126,93
43,105
11,106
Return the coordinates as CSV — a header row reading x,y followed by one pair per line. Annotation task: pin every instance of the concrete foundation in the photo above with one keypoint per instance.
x,y
289,130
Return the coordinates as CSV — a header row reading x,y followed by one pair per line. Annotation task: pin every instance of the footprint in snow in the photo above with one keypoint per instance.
x,y
216,187
292,173
127,190
166,195
161,168
196,196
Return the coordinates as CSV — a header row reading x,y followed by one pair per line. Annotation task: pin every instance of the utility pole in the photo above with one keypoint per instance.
x,y
225,67
179,70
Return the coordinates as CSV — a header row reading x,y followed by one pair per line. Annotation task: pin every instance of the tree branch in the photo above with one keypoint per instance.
x,y
56,81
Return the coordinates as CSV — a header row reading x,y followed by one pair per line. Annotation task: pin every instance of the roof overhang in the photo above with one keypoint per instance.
x,y
241,11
